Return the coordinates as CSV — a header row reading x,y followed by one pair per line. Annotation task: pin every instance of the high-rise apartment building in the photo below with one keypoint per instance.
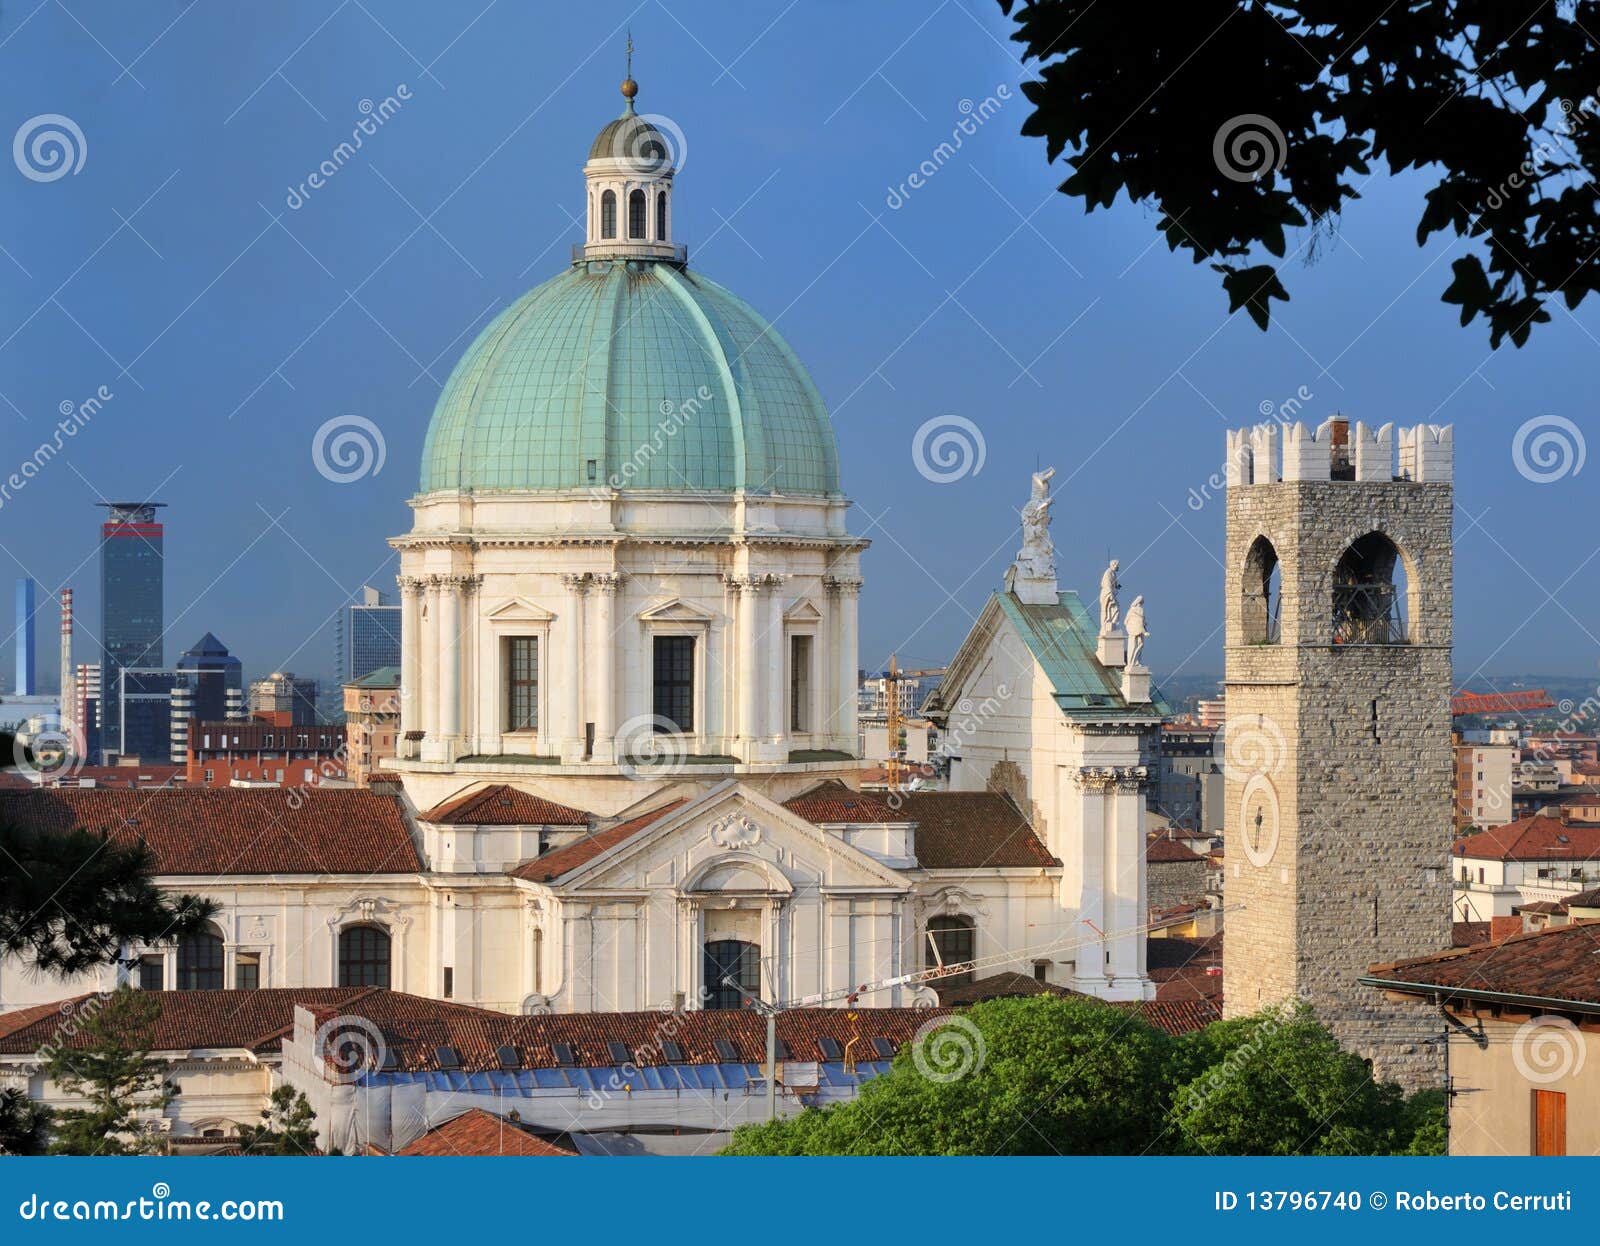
x,y
369,636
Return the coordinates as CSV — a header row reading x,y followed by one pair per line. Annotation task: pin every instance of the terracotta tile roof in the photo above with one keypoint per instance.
x,y
414,1028
1186,969
1164,851
569,857
1545,907
1561,963
476,1132
500,804
1469,934
1503,928
1584,900
1535,838
1175,1016
210,831
972,830
255,1020
832,802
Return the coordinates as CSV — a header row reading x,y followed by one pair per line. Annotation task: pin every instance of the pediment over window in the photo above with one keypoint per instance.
x,y
803,611
675,611
520,610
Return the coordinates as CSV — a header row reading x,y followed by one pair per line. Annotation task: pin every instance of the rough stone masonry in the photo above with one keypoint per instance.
x,y
1337,739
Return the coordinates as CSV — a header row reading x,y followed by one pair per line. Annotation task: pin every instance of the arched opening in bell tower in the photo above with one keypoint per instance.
x,y
1370,590
1262,590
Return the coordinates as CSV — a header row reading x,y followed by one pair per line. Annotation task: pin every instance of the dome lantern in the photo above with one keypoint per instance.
x,y
628,180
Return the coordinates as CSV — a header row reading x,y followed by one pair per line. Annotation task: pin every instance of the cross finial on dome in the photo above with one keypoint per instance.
x,y
630,88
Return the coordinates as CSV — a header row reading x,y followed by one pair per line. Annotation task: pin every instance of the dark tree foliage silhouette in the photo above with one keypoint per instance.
x,y
1238,121
24,1124
70,899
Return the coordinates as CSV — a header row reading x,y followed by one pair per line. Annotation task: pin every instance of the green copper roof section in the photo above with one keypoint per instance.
x,y
661,379
1065,642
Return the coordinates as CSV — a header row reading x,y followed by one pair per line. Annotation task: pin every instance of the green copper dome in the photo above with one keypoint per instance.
x,y
634,375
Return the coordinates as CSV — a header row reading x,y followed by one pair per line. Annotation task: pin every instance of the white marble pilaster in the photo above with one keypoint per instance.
x,y
603,649
571,735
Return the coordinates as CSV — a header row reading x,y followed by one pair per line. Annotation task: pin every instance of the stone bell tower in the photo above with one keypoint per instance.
x,y
1337,754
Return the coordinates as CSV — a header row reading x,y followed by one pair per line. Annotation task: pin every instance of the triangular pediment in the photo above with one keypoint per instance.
x,y
803,611
520,610
733,840
675,611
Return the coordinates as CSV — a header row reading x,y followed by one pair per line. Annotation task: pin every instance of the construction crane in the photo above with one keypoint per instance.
x,y
891,687
850,994
1500,702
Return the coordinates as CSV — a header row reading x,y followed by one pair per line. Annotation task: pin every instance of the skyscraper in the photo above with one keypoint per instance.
x,y
132,579
209,688
369,636
24,686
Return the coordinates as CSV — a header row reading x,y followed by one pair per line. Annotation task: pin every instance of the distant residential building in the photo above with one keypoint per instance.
x,y
1538,858
371,721
1176,875
1211,711
1484,784
255,753
911,689
24,639
132,582
284,698
1189,780
86,703
369,636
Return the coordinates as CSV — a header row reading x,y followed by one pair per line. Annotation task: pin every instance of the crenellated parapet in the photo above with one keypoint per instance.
x,y
1339,450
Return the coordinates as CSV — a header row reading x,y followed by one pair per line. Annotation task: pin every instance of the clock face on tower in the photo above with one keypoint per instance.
x,y
1258,818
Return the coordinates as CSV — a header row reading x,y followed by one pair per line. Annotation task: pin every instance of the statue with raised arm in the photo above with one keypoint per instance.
x,y
1110,613
1137,631
1037,558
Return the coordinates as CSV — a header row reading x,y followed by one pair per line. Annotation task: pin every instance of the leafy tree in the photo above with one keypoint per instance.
x,y
112,1068
24,1124
1277,1083
286,1127
1051,1075
70,899
1238,120
1077,1076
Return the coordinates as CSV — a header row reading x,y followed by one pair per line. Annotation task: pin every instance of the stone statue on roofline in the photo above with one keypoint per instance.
x,y
1137,631
1110,612
1033,573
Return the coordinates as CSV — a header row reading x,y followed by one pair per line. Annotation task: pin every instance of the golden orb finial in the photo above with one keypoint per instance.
x,y
630,88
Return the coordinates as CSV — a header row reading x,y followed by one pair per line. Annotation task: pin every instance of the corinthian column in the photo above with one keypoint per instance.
x,y
450,658
774,651
577,584
603,666
410,657
429,658
845,589
746,673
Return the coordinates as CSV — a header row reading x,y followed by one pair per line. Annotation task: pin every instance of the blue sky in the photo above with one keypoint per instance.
x,y
229,327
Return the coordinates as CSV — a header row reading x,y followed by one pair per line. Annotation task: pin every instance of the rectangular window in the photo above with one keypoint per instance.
x,y
151,976
247,972
799,683
522,683
449,982
674,682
